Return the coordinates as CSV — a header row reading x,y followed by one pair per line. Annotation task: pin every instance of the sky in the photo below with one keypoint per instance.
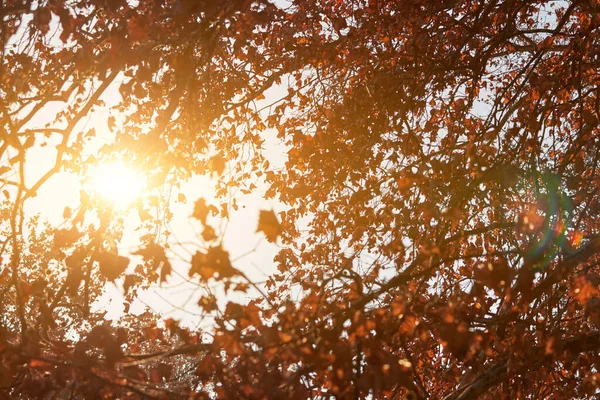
x,y
177,298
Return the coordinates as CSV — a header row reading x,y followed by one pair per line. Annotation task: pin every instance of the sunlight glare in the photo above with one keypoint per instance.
x,y
117,183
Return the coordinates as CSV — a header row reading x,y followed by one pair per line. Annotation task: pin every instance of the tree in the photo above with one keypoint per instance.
x,y
445,154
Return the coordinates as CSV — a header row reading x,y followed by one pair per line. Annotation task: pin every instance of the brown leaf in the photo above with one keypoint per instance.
x,y
137,29
153,333
111,122
155,255
584,289
66,237
208,304
130,281
269,225
217,164
241,287
214,263
74,264
208,234
43,16
67,213
112,265
200,266
200,210
40,364
229,342
285,337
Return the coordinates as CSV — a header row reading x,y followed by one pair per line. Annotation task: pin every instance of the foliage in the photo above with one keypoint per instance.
x,y
445,154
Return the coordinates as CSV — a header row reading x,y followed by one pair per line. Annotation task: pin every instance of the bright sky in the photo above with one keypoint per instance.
x,y
249,251
120,184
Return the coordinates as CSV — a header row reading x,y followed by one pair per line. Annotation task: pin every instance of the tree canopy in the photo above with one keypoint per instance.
x,y
439,237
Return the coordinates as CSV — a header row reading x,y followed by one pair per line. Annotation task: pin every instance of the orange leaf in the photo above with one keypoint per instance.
x,y
269,225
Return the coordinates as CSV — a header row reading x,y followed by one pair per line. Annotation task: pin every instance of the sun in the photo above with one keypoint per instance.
x,y
117,183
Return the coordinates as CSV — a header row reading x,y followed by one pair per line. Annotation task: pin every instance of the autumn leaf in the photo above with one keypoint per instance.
x,y
67,213
136,29
201,210
47,314
208,234
41,364
229,342
409,325
112,265
75,269
269,225
584,289
66,237
214,263
42,19
153,332
67,23
225,210
130,281
285,337
160,373
437,166
208,303
217,164
98,335
111,122
339,23
200,266
242,287
155,255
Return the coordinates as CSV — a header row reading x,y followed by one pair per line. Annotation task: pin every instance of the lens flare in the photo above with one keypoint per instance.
x,y
554,237
117,183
